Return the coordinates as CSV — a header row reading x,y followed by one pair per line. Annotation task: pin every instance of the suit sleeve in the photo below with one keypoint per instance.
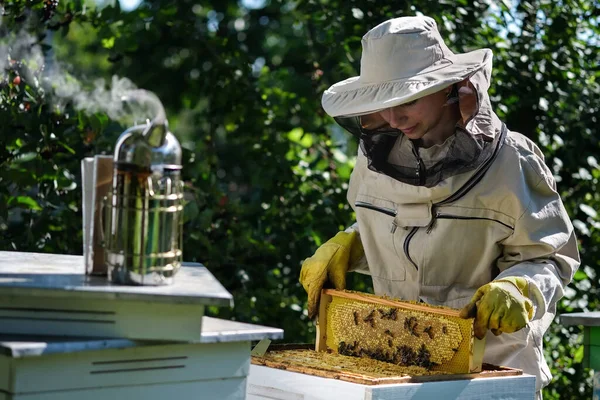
x,y
543,246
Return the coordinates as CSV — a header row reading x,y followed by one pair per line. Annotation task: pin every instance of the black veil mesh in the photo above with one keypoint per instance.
x,y
465,153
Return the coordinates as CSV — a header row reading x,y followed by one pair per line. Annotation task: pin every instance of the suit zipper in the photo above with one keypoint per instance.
x,y
387,211
420,172
384,210
407,242
448,216
458,194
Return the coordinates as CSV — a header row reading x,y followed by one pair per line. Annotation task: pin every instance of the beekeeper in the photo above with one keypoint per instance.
x,y
452,208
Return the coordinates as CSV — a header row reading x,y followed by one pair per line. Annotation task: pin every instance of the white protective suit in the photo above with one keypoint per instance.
x,y
440,244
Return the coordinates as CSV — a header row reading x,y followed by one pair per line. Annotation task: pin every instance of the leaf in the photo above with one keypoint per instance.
x,y
108,43
297,135
588,210
25,202
25,157
316,238
580,275
578,356
98,121
67,147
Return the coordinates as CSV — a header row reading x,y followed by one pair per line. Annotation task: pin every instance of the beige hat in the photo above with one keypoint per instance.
x,y
403,59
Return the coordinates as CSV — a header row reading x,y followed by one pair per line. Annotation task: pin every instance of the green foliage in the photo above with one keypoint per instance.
x,y
265,169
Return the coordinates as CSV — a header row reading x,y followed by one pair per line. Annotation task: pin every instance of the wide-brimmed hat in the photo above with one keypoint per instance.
x,y
402,60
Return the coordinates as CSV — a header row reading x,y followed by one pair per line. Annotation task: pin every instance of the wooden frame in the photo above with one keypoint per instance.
x,y
476,346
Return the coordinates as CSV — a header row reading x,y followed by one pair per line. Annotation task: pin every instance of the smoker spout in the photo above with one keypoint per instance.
x,y
156,130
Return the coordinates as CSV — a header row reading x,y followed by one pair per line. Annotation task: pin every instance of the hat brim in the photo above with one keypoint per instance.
x,y
353,97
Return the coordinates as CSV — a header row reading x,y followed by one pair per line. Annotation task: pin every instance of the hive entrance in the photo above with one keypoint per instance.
x,y
398,332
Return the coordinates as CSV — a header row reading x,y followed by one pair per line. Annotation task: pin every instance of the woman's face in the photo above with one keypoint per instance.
x,y
427,118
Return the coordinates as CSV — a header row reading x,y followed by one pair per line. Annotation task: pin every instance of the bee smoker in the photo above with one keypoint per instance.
x,y
144,208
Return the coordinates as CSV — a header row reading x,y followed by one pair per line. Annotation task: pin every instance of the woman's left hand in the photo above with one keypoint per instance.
x,y
501,306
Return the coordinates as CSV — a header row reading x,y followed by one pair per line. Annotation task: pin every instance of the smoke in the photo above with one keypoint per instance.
x,y
101,97
119,97
21,46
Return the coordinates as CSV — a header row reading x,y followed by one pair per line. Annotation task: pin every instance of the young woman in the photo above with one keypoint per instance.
x,y
452,208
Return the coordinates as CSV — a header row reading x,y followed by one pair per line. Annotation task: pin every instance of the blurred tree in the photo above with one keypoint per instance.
x,y
265,169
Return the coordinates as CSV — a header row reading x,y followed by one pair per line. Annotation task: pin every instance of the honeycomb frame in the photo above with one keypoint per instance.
x,y
400,332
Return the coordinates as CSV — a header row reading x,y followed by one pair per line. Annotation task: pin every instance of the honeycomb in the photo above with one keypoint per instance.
x,y
306,360
433,338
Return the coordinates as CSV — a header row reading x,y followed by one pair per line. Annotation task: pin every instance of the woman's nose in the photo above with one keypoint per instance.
x,y
396,118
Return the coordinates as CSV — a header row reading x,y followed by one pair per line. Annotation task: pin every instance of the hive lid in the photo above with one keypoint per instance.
x,y
60,276
588,318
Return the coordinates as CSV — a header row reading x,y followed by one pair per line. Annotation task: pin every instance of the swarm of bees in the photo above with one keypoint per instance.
x,y
404,337
400,355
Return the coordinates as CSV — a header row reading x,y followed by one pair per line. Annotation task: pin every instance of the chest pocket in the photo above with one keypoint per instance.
x,y
464,245
378,231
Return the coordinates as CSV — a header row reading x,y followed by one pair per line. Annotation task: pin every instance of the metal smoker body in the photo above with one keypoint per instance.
x,y
144,209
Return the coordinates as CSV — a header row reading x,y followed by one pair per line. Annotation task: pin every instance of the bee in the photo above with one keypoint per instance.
x,y
348,349
370,316
424,358
405,356
410,324
429,331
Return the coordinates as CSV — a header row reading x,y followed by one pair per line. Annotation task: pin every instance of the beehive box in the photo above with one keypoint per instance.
x,y
398,332
298,372
67,368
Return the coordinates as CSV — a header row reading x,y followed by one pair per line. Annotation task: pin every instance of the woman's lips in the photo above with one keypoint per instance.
x,y
409,130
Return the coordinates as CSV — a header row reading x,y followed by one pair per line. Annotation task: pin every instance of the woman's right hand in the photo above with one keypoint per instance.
x,y
329,264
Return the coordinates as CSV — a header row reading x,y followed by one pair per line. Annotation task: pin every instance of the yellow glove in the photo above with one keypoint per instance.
x,y
329,263
501,306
